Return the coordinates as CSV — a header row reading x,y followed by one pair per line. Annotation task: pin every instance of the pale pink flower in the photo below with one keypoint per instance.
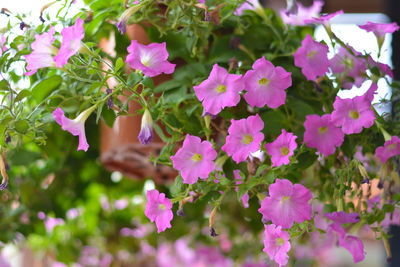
x,y
151,59
303,13
353,114
51,222
244,137
266,84
312,58
3,48
322,134
390,149
220,90
380,29
349,69
276,244
76,127
42,52
248,5
158,209
194,159
71,43
325,19
282,148
287,203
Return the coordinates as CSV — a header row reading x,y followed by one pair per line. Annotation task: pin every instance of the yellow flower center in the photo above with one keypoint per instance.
x,y
221,88
285,151
392,146
247,139
311,54
354,114
196,157
322,129
145,59
280,241
263,81
285,198
161,207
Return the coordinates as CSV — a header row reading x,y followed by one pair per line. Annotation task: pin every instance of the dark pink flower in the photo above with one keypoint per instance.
x,y
324,19
380,29
349,69
158,209
76,127
353,114
312,58
151,59
220,90
42,52
71,43
244,137
390,149
287,203
370,94
266,84
322,134
303,13
194,159
343,217
354,245
282,148
276,244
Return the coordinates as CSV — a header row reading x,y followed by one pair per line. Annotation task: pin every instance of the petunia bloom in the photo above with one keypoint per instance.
x,y
390,149
158,209
76,127
353,114
354,245
312,58
266,84
43,52
3,48
343,217
276,244
380,29
248,5
220,90
150,59
287,203
194,159
325,19
282,148
146,129
244,137
303,13
322,134
71,43
348,68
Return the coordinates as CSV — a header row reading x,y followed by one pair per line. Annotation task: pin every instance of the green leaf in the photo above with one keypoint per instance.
x,y
43,88
388,208
177,186
21,126
148,82
168,85
133,79
21,95
119,64
3,85
109,117
99,110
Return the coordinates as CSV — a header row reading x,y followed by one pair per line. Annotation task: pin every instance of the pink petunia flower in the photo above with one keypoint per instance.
x,y
390,149
266,84
76,127
220,90
384,69
354,245
151,59
322,134
158,209
312,58
282,148
244,137
287,203
341,217
324,19
276,244
43,52
194,159
248,5
71,43
3,48
349,69
245,197
303,13
380,29
353,114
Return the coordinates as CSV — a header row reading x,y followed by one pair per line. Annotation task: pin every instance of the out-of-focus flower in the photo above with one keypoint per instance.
x,y
390,149
151,59
276,244
266,84
324,19
121,204
158,210
194,159
303,13
312,58
51,222
71,43
286,204
244,137
76,127
282,148
248,5
343,217
220,90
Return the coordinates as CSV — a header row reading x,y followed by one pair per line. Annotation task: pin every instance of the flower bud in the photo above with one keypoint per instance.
x,y
121,25
146,129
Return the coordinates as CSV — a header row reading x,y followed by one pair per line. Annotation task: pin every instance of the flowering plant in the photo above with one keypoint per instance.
x,y
251,120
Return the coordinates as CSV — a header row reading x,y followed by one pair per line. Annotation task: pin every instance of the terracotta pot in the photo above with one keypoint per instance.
x,y
120,148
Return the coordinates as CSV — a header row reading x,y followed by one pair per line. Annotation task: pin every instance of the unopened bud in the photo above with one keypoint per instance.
x,y
146,129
